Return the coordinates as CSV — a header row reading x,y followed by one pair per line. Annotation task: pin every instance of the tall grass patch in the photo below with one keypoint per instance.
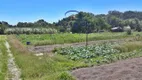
x,y
61,38
129,46
3,58
43,67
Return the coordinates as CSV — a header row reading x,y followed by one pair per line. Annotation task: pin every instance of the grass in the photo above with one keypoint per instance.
x,y
3,58
49,39
42,68
58,67
129,46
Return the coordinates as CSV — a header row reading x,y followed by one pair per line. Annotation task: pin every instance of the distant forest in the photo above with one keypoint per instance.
x,y
77,23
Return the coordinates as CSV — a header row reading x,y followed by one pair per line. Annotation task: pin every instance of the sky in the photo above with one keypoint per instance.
x,y
14,11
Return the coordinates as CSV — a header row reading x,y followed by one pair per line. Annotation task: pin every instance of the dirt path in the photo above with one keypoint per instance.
x,y
13,71
122,70
49,48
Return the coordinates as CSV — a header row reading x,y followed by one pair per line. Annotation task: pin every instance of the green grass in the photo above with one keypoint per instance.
x,y
43,68
49,39
129,46
58,67
3,58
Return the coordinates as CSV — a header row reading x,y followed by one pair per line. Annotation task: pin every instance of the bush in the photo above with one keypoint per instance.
x,y
129,32
65,76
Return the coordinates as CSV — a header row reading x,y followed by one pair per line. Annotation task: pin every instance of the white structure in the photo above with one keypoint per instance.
x,y
126,28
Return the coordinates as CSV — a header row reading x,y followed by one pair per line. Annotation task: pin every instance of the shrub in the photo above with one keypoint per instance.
x,y
129,32
65,76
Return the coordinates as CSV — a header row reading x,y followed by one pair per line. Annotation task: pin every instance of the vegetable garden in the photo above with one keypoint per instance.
x,y
62,38
102,53
58,65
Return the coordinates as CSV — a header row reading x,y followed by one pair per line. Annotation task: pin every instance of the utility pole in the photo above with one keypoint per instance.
x,y
86,24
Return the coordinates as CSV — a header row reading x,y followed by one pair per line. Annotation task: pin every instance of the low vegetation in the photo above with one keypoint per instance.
x,y
58,66
72,29
46,67
104,53
30,31
84,52
49,39
77,23
3,58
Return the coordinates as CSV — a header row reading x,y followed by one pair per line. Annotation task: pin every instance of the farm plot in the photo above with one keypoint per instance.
x,y
44,67
102,53
50,39
64,60
130,69
50,48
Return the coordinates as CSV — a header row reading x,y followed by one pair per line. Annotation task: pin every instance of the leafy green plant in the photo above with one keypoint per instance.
x,y
76,53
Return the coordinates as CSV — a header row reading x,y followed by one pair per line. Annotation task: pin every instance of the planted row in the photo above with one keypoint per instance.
x,y
30,31
83,52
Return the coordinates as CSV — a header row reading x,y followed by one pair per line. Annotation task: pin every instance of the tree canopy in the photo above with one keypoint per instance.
x,y
79,22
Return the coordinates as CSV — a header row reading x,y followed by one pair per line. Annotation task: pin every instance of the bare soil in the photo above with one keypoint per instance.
x,y
130,69
50,48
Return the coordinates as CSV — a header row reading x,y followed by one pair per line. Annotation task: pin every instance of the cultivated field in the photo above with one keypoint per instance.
x,y
62,38
66,61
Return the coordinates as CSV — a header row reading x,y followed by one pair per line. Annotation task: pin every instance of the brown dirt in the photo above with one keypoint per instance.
x,y
50,48
130,69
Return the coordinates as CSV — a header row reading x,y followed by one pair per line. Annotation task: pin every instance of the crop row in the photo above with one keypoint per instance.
x,y
30,31
102,53
83,52
61,38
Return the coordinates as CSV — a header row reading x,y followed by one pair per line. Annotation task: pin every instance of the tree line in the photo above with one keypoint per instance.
x,y
85,22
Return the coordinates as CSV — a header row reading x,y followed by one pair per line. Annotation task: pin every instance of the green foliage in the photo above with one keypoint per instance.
x,y
128,47
30,31
129,32
83,20
2,29
65,76
42,67
56,67
3,58
47,39
76,53
104,53
38,24
121,56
